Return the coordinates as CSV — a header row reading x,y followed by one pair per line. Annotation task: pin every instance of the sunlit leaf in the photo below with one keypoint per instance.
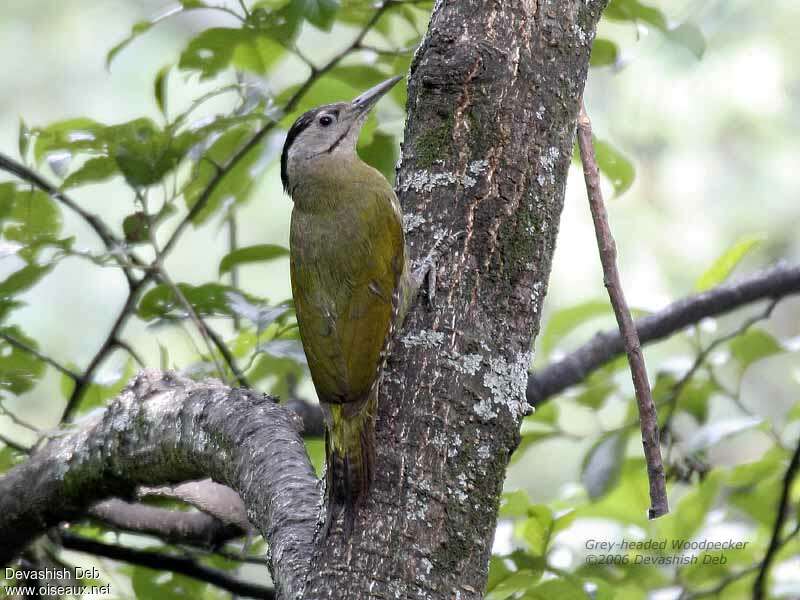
x,y
320,13
754,345
514,504
685,519
19,369
251,254
713,433
615,166
23,140
690,37
563,321
563,589
236,183
725,264
604,53
69,137
93,170
22,280
160,88
636,12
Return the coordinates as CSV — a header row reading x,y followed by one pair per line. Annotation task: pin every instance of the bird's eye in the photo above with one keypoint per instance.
x,y
325,120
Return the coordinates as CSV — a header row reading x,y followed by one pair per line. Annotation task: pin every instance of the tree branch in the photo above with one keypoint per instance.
x,y
167,429
776,282
161,561
648,417
174,527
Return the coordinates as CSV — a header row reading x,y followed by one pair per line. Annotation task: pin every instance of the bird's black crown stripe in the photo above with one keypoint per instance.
x,y
296,129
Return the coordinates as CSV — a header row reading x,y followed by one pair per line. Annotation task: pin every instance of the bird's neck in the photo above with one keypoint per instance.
x,y
325,180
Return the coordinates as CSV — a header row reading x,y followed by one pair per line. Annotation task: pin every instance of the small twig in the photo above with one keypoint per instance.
x,y
648,416
123,345
778,281
46,359
775,542
161,561
4,411
703,355
233,245
111,242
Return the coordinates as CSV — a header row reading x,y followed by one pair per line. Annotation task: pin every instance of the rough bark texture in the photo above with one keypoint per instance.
x,y
493,96
167,429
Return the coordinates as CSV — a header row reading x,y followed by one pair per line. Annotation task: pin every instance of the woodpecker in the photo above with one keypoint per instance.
x,y
350,283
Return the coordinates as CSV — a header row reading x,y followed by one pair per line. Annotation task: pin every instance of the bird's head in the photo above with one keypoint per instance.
x,y
327,131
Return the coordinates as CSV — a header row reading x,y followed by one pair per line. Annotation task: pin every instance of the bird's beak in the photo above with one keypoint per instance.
x,y
363,103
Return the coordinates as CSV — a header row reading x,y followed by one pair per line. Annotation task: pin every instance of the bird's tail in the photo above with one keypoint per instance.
x,y
350,458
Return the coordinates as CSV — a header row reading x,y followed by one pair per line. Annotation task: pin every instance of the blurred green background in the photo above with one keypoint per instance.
x,y
709,123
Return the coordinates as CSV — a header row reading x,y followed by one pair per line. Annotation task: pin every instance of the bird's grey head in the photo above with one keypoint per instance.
x,y
326,131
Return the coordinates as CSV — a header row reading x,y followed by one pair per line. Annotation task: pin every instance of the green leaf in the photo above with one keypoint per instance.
x,y
753,345
562,589
636,12
615,166
563,321
689,36
213,49
22,280
514,504
8,458
689,515
137,30
725,264
160,88
209,299
144,153
136,228
72,136
92,171
19,369
537,528
251,254
316,453
29,217
150,584
604,53
236,184
320,13
602,466
23,140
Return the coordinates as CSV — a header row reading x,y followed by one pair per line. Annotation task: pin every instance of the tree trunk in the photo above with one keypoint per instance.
x,y
493,98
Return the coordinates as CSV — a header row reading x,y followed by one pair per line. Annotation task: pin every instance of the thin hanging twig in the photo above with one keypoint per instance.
x,y
648,417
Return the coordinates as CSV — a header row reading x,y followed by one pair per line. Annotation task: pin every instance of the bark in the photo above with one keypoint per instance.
x,y
167,429
493,97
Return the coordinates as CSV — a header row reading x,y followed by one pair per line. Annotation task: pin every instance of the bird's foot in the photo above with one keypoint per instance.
x,y
426,270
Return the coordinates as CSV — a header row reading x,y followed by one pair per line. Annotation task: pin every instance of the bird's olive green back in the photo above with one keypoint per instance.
x,y
347,260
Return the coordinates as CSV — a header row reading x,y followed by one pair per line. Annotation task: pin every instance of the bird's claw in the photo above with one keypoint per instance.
x,y
427,268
